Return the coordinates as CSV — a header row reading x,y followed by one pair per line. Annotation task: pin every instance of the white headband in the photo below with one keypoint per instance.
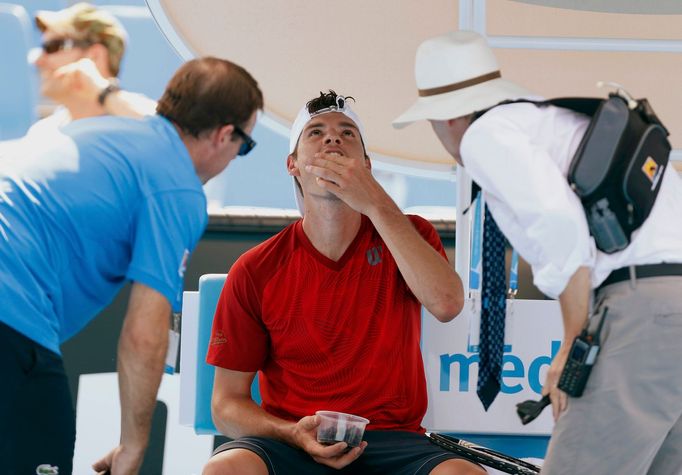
x,y
302,120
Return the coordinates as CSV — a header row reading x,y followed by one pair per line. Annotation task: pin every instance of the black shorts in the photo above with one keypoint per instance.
x,y
387,452
37,420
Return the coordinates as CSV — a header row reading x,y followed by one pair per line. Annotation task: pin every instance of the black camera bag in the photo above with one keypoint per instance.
x,y
618,167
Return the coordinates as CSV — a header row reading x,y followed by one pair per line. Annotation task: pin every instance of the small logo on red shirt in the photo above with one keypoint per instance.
x,y
374,255
219,338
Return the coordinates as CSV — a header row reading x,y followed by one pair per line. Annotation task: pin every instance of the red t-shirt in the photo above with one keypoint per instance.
x,y
341,336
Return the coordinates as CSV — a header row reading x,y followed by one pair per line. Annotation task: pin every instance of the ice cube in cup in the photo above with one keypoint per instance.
x,y
340,427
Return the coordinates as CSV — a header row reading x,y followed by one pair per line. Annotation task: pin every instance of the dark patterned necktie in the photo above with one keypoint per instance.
x,y
493,307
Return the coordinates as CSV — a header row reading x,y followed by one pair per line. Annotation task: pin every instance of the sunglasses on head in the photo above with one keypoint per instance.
x,y
339,106
59,44
247,142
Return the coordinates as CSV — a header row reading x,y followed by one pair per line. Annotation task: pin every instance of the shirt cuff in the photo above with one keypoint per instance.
x,y
552,280
164,289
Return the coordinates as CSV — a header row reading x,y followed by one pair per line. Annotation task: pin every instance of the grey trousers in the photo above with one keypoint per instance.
x,y
629,419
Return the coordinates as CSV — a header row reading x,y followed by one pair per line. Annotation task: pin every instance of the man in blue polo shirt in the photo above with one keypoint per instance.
x,y
98,203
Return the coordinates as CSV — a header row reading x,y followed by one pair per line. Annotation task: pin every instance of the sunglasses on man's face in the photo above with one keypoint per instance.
x,y
247,142
59,44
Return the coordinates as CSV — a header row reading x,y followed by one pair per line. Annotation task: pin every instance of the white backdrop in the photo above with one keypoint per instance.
x,y
534,331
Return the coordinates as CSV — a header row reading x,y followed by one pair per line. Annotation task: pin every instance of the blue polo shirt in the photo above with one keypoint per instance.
x,y
87,208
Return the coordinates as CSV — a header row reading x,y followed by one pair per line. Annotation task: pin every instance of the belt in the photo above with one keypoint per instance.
x,y
642,272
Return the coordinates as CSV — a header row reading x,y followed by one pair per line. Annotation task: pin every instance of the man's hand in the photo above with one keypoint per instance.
x,y
80,80
428,275
348,178
557,396
120,461
335,456
574,301
141,353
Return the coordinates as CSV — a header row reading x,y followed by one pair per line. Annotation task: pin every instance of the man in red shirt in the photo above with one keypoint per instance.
x,y
328,311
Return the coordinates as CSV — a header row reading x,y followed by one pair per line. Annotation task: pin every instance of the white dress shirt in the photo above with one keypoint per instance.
x,y
59,118
519,154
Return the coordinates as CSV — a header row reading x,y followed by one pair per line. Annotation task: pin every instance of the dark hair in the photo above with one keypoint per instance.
x,y
326,99
209,92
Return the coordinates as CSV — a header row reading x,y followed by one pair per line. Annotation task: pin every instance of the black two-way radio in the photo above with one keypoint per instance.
x,y
573,379
580,360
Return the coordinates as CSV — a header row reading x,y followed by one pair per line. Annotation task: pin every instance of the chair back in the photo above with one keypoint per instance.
x,y
18,88
197,375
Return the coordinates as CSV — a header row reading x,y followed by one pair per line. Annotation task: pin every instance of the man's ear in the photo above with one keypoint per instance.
x,y
368,162
291,166
223,134
457,120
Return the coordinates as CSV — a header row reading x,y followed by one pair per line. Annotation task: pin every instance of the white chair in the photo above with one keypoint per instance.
x,y
196,376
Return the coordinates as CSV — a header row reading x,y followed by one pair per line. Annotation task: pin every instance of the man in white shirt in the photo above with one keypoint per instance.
x,y
82,49
629,418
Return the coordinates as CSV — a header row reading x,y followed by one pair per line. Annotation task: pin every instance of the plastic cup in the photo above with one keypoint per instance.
x,y
340,427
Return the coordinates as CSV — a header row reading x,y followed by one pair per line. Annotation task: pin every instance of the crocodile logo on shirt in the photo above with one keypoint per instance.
x,y
374,255
47,469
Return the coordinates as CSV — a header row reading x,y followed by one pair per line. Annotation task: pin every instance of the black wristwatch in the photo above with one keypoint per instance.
x,y
112,87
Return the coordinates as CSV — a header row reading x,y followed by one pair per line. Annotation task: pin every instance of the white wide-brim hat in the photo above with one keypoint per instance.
x,y
457,74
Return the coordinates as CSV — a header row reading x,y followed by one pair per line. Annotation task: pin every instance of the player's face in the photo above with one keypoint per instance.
x,y
332,133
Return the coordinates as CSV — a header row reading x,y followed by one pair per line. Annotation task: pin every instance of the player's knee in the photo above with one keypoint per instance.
x,y
235,462
218,465
458,467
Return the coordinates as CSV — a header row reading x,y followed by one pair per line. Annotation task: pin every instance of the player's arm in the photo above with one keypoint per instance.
x,y
235,414
427,273
141,353
574,301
